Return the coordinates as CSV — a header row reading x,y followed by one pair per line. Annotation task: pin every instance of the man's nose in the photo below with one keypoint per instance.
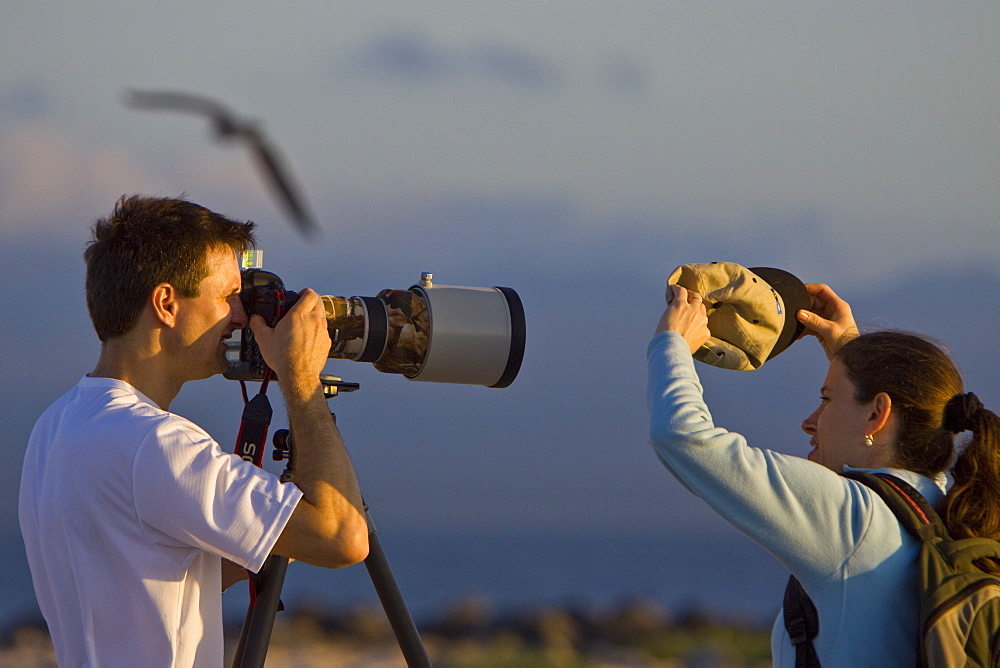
x,y
239,316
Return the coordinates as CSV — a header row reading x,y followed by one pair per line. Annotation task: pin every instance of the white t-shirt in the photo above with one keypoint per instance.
x,y
126,512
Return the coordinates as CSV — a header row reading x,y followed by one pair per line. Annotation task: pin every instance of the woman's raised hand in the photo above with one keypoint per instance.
x,y
685,315
830,319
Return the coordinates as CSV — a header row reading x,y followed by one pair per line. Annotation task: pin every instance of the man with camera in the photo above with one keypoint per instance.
x,y
134,519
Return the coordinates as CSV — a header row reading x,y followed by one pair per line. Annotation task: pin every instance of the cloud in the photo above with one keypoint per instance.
x,y
417,58
505,63
405,56
413,57
556,235
625,75
48,173
23,99
52,178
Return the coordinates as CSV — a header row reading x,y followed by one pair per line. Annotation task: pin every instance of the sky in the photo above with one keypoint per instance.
x,y
574,151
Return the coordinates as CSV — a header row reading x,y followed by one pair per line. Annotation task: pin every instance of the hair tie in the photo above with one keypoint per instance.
x,y
960,412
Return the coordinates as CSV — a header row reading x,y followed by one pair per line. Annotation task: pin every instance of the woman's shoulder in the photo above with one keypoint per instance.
x,y
932,489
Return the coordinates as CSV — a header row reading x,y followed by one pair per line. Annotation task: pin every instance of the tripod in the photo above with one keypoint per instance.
x,y
255,636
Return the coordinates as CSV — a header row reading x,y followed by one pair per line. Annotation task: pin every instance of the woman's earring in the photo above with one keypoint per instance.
x,y
869,441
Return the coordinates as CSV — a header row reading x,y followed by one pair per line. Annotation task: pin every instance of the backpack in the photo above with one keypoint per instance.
x,y
959,602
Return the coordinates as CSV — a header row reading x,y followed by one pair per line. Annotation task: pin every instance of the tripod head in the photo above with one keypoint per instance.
x,y
282,439
333,385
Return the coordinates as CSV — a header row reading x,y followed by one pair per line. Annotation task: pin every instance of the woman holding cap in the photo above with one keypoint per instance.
x,y
891,402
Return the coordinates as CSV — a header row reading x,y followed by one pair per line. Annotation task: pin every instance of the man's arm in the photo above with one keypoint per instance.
x,y
327,527
232,573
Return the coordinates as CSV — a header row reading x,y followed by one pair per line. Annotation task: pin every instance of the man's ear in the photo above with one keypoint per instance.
x,y
163,301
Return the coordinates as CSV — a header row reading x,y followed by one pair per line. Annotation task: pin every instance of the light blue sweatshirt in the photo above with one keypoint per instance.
x,y
835,535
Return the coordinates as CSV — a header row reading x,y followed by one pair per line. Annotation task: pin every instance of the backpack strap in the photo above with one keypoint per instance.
x,y
923,522
802,623
912,510
909,506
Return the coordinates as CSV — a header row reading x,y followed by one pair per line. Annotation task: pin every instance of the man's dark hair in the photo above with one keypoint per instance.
x,y
147,241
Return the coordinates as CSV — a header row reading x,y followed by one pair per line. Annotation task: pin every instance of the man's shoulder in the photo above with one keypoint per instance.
x,y
112,403
103,407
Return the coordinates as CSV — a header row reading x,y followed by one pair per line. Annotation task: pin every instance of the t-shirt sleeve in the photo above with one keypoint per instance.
x,y
187,490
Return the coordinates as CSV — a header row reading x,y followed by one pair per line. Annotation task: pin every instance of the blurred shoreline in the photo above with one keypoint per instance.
x,y
492,599
472,632
514,571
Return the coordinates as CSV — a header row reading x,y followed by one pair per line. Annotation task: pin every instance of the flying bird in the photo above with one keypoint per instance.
x,y
227,126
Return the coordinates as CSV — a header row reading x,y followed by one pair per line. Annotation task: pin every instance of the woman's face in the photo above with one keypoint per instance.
x,y
839,425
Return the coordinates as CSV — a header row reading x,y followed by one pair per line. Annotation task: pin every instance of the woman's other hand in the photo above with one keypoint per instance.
x,y
830,320
685,315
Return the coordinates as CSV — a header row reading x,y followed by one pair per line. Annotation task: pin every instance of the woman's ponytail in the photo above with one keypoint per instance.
x,y
972,507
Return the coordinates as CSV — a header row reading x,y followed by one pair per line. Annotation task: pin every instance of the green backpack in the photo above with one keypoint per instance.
x,y
959,602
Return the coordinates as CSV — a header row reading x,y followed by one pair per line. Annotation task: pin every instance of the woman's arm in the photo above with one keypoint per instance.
x,y
807,516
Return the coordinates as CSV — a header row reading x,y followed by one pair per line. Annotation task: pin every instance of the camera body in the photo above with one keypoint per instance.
x,y
432,333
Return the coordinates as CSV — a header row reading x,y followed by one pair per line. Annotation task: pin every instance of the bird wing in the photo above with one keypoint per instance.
x,y
270,163
173,101
230,126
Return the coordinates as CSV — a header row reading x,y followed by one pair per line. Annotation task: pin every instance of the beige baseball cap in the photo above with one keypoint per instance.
x,y
751,312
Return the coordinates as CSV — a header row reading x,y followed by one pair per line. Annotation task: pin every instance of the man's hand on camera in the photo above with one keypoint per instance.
x,y
298,346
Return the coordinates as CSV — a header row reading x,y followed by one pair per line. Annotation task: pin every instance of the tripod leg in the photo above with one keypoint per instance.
x,y
256,634
244,632
392,602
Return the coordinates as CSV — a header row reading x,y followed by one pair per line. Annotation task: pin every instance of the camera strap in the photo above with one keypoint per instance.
x,y
253,429
250,444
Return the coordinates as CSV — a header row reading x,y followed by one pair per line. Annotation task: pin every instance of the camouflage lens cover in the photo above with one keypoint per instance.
x,y
408,334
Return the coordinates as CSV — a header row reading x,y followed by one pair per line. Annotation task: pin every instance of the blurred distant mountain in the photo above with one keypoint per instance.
x,y
565,446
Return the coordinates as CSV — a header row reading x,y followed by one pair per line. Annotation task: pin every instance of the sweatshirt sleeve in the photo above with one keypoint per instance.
x,y
808,517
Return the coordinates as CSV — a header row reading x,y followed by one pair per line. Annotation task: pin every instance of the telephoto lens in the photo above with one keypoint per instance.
x,y
432,333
